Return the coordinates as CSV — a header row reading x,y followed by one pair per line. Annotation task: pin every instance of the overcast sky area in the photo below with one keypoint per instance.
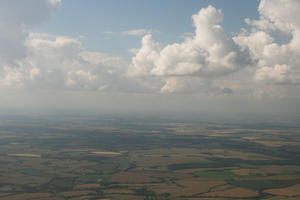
x,y
232,56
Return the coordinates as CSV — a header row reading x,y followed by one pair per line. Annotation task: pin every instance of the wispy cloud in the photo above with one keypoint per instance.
x,y
139,32
132,32
108,32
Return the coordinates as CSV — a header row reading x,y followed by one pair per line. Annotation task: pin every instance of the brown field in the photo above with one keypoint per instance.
x,y
279,169
87,186
20,179
289,191
196,198
131,185
283,198
118,191
25,155
163,157
106,153
266,170
276,177
52,198
221,188
244,172
78,193
187,188
221,153
235,193
26,196
275,143
125,197
187,171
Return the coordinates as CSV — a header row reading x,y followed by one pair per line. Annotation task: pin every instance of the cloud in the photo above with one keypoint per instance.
x,y
277,62
61,63
278,74
16,19
38,61
181,85
139,32
188,85
108,32
208,53
206,61
277,14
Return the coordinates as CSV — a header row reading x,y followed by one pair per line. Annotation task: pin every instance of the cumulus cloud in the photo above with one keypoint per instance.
x,y
42,61
277,62
59,62
277,74
181,85
208,53
16,19
277,14
195,84
35,60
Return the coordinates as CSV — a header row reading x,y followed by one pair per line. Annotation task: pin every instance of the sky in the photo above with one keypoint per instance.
x,y
218,56
170,18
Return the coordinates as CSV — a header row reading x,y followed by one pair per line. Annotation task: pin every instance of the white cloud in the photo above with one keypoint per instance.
x,y
145,56
205,62
108,32
99,58
277,62
209,53
278,14
186,84
57,62
83,79
11,77
139,32
42,61
181,85
277,74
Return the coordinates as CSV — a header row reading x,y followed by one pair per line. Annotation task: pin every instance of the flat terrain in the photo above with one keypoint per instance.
x,y
80,158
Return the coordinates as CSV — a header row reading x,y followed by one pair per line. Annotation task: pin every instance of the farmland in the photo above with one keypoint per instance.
x,y
60,158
